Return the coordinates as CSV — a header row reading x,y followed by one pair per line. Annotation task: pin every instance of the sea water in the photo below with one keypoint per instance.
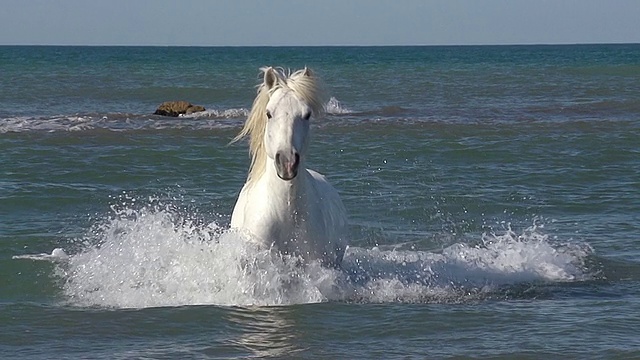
x,y
493,199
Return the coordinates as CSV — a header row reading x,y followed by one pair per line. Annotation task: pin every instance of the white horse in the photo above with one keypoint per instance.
x,y
283,204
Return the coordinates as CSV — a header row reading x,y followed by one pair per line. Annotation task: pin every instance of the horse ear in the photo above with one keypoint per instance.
x,y
307,72
270,77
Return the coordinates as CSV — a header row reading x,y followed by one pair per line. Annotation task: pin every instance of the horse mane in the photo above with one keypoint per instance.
x,y
303,83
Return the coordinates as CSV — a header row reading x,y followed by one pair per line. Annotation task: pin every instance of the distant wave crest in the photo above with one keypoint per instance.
x,y
211,118
120,122
219,114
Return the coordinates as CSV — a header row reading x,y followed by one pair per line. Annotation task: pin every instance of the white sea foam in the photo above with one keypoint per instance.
x,y
57,254
154,256
335,107
66,123
232,113
119,121
203,120
55,123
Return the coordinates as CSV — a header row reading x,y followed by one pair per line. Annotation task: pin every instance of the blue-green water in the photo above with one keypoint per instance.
x,y
493,195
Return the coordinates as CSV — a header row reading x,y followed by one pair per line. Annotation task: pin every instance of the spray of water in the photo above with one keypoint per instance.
x,y
155,255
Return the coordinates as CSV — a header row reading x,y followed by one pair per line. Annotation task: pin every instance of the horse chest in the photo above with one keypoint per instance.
x,y
284,220
287,219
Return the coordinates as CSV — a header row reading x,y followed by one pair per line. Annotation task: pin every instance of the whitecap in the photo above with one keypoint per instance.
x,y
335,107
57,254
232,113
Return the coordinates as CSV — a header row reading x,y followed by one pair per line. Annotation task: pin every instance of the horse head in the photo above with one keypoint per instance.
x,y
287,125
278,123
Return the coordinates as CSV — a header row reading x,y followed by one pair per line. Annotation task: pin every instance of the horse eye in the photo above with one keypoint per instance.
x,y
268,114
307,116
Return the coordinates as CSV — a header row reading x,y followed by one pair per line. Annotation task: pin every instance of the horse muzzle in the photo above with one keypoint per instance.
x,y
287,165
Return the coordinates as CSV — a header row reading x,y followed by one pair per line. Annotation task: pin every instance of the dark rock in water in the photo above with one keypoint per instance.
x,y
176,108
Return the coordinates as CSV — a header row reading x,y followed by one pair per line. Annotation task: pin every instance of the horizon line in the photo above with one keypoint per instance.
x,y
328,45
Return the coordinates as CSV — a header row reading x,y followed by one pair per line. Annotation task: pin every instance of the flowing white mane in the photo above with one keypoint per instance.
x,y
303,84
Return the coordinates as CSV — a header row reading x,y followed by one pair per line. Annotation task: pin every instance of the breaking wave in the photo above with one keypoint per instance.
x,y
120,122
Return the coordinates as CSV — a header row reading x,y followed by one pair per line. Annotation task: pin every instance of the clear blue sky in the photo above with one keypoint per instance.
x,y
317,22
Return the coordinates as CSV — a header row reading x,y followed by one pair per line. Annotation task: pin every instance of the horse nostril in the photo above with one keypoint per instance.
x,y
278,158
297,159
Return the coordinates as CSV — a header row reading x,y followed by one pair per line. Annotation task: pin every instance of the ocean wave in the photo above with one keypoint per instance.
x,y
156,255
218,114
120,122
128,121
49,124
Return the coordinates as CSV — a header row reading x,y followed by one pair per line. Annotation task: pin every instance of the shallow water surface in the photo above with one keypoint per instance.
x,y
492,193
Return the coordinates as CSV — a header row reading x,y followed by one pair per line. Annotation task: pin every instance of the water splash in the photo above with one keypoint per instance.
x,y
156,256
463,272
335,107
